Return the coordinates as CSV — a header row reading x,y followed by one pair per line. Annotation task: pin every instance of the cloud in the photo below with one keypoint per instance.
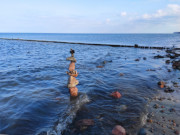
x,y
170,10
123,13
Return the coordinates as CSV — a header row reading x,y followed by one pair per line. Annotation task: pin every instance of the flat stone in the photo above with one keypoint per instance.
x,y
71,59
158,56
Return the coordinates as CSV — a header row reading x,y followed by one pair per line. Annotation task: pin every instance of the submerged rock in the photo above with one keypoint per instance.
x,y
172,110
121,74
168,90
116,94
158,56
84,123
99,66
144,58
156,106
118,130
121,108
142,131
167,61
136,59
176,64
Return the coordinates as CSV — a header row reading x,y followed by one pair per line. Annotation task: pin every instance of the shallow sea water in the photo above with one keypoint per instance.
x,y
33,76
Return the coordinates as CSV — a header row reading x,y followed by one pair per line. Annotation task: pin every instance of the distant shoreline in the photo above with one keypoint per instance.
x,y
95,44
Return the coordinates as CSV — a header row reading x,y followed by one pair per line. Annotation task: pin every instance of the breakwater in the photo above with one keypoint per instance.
x,y
96,44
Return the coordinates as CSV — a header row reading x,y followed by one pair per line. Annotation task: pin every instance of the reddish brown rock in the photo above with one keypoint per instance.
x,y
118,130
150,120
121,74
72,66
136,59
161,84
72,82
73,91
99,66
116,94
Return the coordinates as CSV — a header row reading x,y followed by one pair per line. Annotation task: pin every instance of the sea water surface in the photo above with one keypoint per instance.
x,y
34,97
162,40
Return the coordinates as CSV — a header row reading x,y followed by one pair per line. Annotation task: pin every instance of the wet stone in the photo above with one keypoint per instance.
x,y
118,130
99,66
176,64
167,61
168,90
161,84
150,120
172,110
162,111
158,56
142,131
169,70
116,94
121,74
176,132
156,106
85,122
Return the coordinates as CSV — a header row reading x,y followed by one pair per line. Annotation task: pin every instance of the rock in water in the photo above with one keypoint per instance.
x,y
72,82
136,59
99,66
84,122
176,64
158,56
116,94
161,84
168,90
121,74
118,130
72,66
73,91
142,131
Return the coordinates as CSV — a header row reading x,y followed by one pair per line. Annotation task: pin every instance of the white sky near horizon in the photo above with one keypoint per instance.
x,y
90,16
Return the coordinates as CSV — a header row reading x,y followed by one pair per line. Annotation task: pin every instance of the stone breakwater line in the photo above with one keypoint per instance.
x,y
96,44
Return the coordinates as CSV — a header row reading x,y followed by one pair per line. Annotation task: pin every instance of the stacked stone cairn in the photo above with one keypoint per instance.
x,y
72,82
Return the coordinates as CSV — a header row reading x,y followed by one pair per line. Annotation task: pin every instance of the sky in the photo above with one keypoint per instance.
x,y
90,16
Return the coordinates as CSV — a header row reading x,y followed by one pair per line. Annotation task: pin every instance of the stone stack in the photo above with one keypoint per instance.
x,y
72,82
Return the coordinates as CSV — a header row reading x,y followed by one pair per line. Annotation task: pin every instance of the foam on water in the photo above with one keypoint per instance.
x,y
69,114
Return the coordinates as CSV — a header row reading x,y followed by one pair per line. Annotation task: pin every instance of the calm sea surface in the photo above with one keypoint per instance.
x,y
163,40
34,98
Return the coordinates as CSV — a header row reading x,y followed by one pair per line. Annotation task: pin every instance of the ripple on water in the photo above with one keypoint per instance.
x,y
34,98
